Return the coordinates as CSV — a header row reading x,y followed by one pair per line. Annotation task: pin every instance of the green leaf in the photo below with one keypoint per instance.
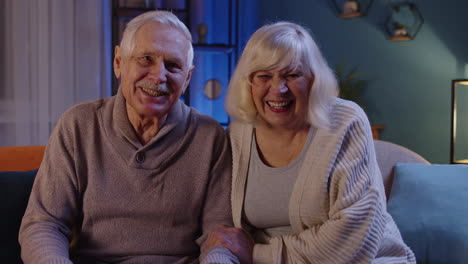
x,y
351,87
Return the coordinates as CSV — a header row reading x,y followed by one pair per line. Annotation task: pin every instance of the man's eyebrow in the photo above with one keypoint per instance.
x,y
146,52
167,56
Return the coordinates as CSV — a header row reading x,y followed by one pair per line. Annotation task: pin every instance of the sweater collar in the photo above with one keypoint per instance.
x,y
160,148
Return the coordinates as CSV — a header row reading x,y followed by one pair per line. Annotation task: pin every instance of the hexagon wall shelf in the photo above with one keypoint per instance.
x,y
403,21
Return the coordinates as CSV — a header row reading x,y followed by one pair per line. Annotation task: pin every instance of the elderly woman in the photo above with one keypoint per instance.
x,y
306,184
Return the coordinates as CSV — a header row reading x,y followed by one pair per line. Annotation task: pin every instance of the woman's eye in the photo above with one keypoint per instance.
x,y
263,76
293,75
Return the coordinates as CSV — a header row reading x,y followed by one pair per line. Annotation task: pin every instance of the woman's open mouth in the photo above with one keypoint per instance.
x,y
279,106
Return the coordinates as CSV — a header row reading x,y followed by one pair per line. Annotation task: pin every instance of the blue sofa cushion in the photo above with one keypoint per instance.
x,y
429,203
15,188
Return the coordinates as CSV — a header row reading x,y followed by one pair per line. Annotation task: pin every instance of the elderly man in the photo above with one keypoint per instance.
x,y
136,178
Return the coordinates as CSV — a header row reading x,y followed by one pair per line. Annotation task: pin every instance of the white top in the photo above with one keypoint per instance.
x,y
262,209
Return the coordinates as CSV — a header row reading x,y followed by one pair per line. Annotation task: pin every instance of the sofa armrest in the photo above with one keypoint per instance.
x,y
388,154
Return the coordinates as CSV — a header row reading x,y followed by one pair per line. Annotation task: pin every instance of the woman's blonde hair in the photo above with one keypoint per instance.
x,y
282,45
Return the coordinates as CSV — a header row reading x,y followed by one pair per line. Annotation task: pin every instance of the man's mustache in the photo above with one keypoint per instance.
x,y
162,88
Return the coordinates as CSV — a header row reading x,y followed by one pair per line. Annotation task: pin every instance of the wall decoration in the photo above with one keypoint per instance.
x,y
213,89
202,31
351,8
403,21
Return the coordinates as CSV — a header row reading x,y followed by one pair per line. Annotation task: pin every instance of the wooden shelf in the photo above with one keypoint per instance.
x,y
376,130
350,15
400,38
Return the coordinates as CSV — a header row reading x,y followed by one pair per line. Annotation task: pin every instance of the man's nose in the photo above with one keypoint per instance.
x,y
158,72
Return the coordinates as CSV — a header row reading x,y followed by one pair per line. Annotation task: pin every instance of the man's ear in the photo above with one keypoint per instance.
x,y
117,62
189,76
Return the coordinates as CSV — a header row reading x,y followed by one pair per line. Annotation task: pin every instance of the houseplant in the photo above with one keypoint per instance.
x,y
399,30
350,85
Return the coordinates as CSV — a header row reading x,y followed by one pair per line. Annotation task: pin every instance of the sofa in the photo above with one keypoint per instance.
x,y
427,201
18,167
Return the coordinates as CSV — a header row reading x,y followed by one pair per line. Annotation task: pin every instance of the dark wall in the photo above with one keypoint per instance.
x,y
408,83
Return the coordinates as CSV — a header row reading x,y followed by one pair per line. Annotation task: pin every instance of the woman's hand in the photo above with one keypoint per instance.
x,y
236,240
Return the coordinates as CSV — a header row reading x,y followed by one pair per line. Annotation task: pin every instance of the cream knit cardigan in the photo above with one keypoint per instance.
x,y
337,208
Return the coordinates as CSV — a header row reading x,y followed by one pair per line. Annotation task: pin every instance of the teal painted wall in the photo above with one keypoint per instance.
x,y
409,83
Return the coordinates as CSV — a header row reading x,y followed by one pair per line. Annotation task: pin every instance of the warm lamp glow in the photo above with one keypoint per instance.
x,y
459,133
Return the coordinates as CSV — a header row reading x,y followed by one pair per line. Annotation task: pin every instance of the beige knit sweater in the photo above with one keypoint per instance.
x,y
337,209
131,203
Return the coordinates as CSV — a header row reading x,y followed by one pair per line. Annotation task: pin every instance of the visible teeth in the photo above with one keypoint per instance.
x,y
153,92
278,104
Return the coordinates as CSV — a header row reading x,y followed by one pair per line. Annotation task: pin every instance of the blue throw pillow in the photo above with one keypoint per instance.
x,y
15,188
429,203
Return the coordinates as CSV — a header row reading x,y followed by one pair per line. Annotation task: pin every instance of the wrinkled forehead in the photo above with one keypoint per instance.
x,y
161,39
157,31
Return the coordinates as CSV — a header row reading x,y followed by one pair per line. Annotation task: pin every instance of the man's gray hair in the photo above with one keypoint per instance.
x,y
282,45
127,44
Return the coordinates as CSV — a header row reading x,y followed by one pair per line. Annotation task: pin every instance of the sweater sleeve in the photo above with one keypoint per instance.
x,y
220,255
46,228
217,209
355,224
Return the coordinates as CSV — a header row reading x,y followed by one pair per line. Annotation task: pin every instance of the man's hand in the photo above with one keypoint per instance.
x,y
236,240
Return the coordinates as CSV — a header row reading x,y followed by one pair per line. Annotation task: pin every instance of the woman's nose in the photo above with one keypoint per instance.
x,y
279,86
283,88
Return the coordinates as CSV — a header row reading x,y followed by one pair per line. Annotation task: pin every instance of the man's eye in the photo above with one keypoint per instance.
x,y
145,59
172,65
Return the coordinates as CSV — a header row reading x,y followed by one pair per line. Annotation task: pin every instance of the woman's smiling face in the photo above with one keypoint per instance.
x,y
281,97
